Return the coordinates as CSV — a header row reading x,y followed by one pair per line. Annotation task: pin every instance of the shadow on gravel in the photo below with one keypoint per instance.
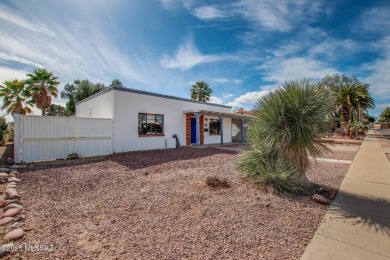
x,y
138,159
370,212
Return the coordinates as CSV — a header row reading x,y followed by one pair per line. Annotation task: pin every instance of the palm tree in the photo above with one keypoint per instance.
x,y
15,97
42,85
351,98
286,130
201,91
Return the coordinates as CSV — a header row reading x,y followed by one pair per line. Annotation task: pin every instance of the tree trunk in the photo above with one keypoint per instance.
x,y
43,112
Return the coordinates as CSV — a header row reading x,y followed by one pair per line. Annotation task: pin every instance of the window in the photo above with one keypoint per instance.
x,y
215,126
150,124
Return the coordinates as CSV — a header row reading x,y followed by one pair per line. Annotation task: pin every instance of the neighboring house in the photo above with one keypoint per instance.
x,y
145,120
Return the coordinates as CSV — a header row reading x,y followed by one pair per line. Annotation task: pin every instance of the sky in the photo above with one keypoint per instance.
x,y
243,49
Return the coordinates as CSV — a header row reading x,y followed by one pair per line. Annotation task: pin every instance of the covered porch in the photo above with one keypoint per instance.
x,y
211,123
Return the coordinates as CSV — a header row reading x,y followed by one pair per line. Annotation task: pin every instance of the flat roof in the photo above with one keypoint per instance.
x,y
142,92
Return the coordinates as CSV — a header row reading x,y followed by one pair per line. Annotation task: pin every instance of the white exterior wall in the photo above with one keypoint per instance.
x,y
101,106
128,105
227,132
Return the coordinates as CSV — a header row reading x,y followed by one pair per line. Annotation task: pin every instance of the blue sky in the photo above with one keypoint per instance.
x,y
243,49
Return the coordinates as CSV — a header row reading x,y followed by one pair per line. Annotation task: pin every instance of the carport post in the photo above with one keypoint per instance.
x,y
221,118
242,130
197,125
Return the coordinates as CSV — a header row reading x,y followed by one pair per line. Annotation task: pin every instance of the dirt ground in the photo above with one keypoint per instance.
x,y
156,205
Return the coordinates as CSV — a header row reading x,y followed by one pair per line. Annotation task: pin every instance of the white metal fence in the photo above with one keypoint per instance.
x,y
46,138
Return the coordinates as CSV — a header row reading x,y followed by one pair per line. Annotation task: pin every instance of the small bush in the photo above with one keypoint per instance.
x,y
269,171
215,182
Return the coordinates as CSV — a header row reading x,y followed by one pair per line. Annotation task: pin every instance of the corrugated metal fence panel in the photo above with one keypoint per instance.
x,y
46,138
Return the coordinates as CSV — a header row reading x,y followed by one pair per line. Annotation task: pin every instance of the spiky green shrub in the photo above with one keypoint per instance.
x,y
286,130
269,171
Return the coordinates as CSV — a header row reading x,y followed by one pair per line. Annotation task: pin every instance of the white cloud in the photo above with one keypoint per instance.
x,y
225,80
374,20
215,100
4,56
294,68
208,12
247,99
8,74
379,77
227,95
188,56
234,104
282,16
13,18
251,97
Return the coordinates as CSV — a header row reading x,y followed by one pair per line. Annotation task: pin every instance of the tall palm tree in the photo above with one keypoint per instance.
x,y
42,85
15,97
201,91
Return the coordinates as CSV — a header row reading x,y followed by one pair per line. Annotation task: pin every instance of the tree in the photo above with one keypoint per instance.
x,y
42,84
15,97
201,91
3,127
286,130
8,134
350,96
117,83
79,90
57,110
385,115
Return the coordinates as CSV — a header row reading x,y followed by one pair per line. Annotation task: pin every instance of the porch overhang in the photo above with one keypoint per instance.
x,y
218,114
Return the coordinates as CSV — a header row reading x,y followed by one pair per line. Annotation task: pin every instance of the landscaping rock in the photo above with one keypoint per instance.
x,y
11,186
12,201
2,204
13,179
11,175
10,161
11,212
5,249
14,234
6,170
3,175
320,199
10,191
13,206
5,221
16,225
14,195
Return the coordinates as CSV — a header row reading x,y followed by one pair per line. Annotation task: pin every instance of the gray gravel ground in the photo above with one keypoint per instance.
x,y
155,205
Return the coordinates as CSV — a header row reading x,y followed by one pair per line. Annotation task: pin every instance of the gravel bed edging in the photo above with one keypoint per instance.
x,y
11,209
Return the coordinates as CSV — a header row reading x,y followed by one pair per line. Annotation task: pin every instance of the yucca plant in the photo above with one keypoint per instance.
x,y
288,124
270,171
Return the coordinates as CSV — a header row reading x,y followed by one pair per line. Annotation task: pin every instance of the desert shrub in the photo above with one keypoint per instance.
x,y
284,133
270,171
215,182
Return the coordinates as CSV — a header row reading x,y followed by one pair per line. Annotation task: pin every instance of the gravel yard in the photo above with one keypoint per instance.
x,y
156,205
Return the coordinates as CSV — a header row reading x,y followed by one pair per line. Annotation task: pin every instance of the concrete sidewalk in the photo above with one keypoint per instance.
x,y
357,224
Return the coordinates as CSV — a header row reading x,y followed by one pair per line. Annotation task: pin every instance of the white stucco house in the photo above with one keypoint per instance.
x,y
144,120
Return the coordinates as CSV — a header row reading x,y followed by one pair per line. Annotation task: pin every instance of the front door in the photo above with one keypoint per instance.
x,y
193,130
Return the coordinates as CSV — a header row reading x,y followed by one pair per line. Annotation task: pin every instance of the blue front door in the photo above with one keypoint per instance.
x,y
193,130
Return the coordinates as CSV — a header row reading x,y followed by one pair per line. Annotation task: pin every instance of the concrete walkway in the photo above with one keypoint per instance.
x,y
357,224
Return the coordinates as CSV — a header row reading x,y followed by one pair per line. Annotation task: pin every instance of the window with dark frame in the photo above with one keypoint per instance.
x,y
215,126
150,124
